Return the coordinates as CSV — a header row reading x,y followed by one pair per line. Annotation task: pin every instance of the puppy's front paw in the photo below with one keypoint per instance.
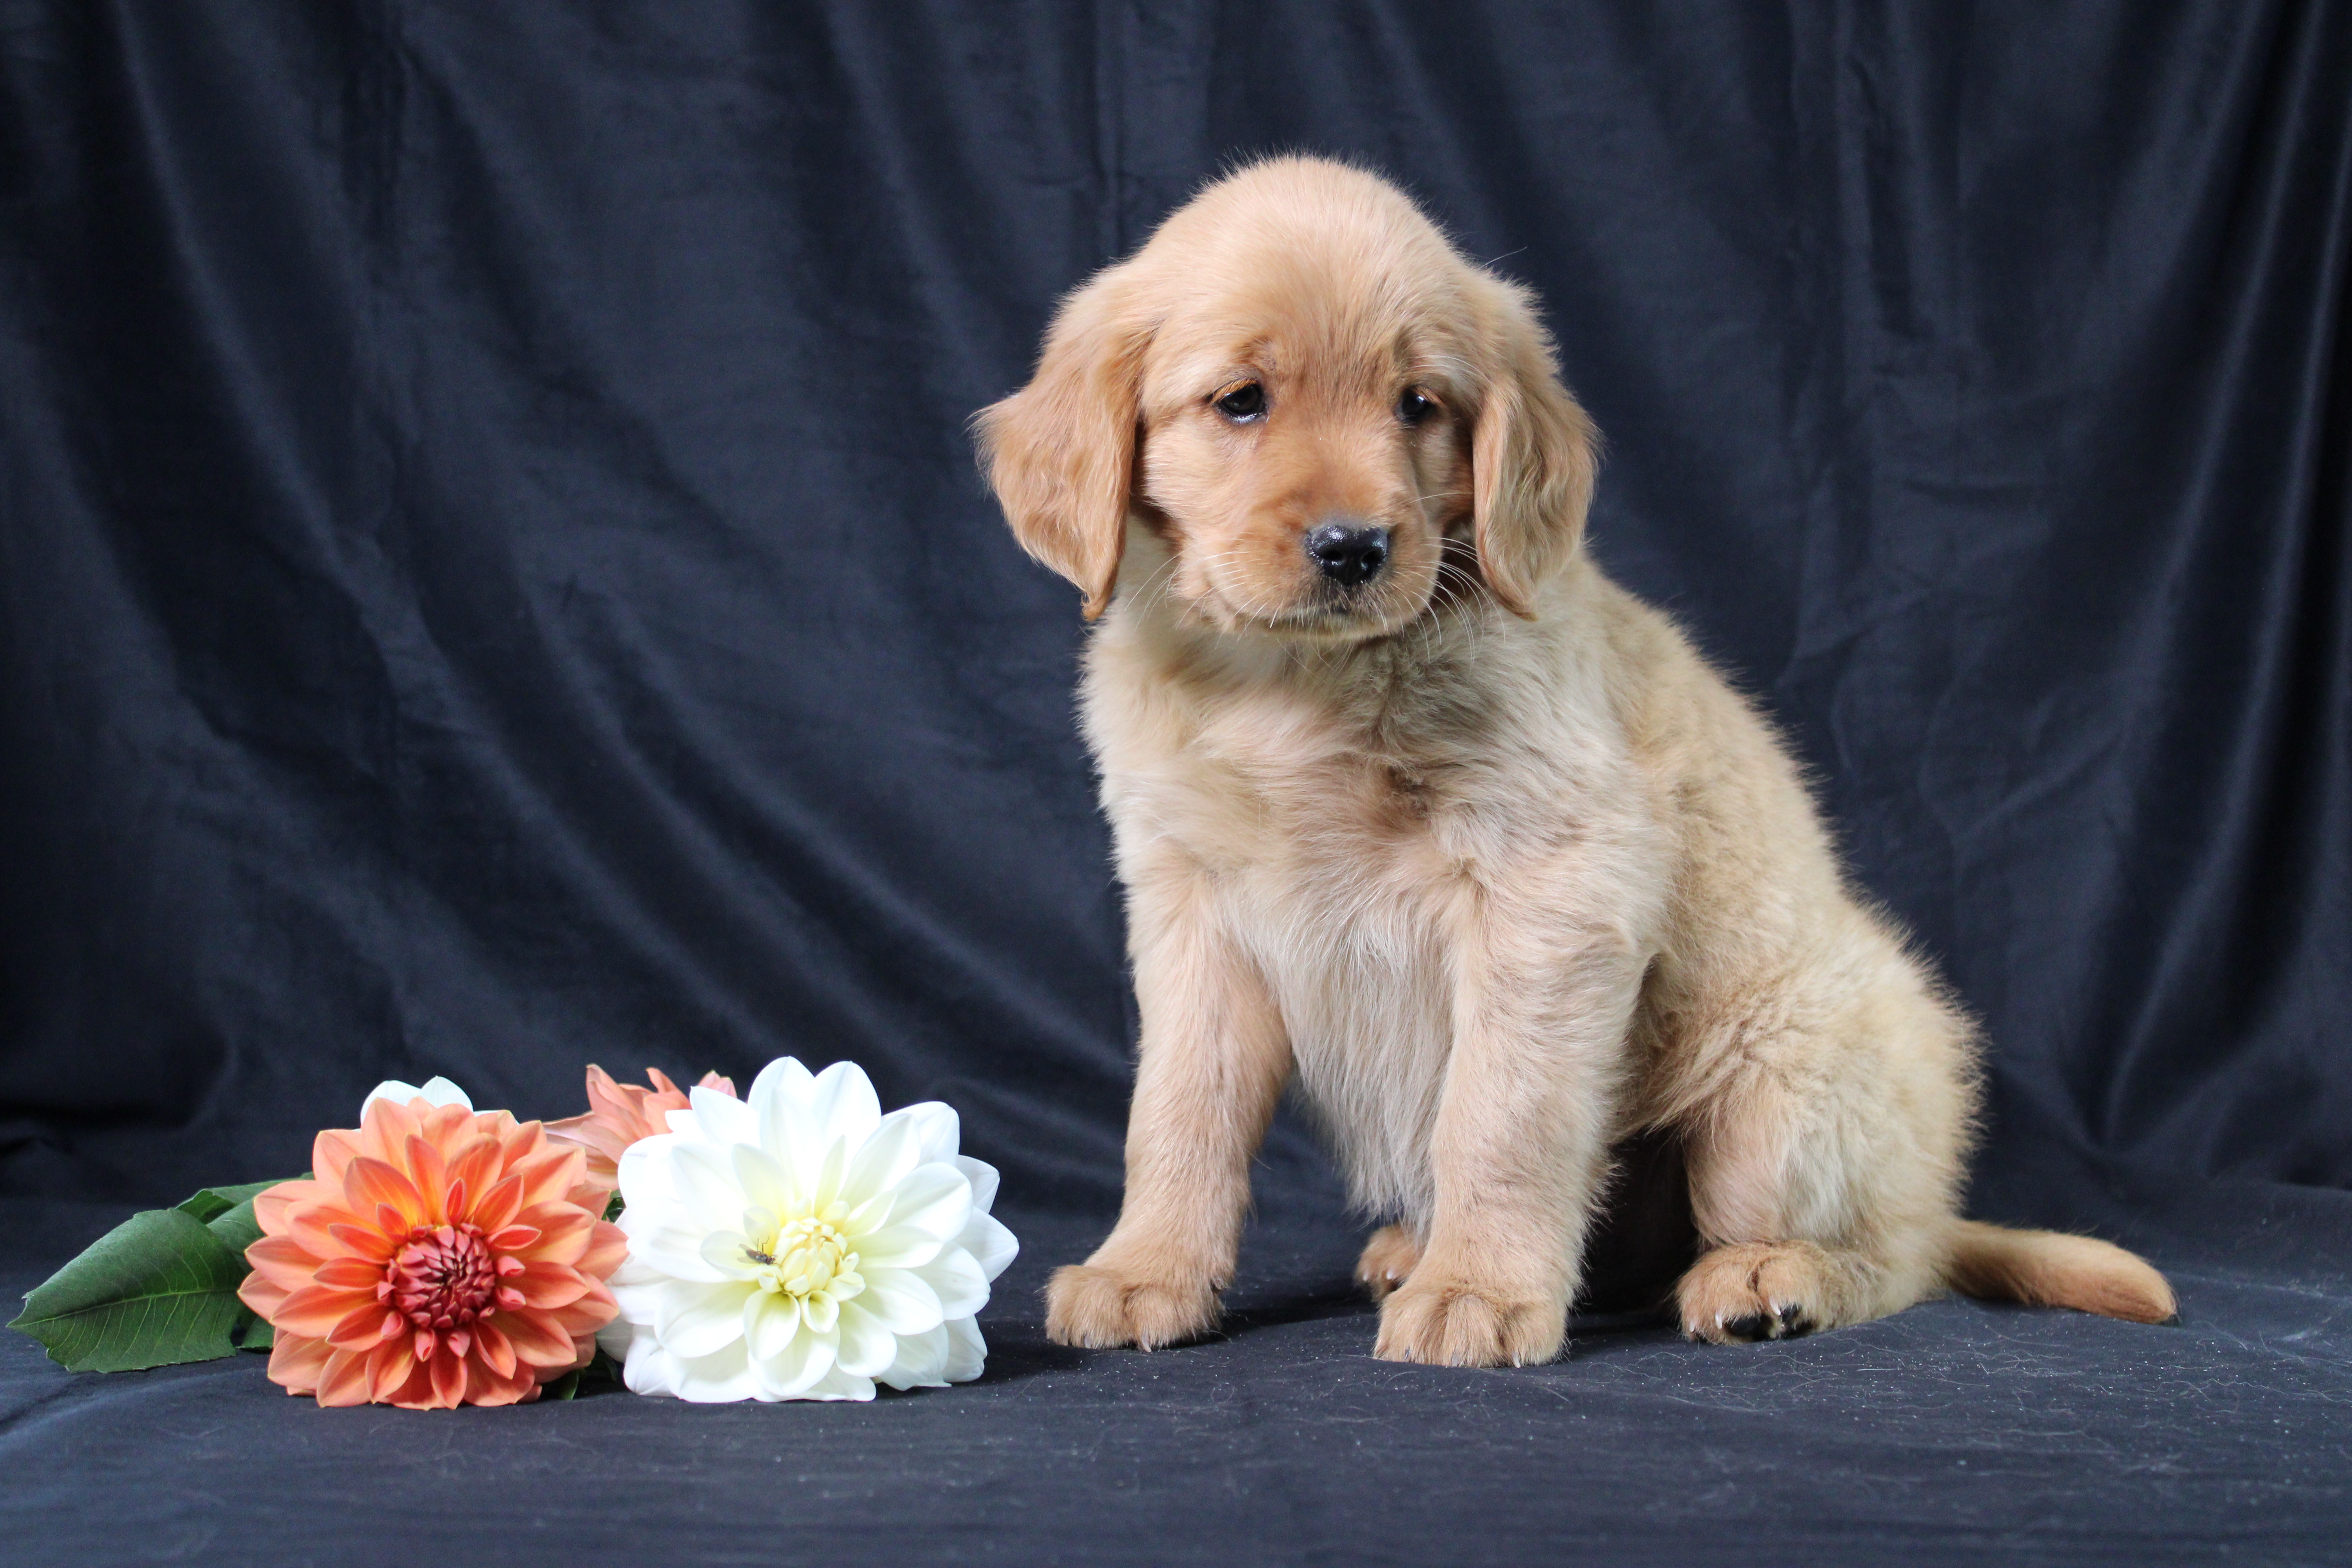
x,y
1456,1323
1389,1258
1098,1308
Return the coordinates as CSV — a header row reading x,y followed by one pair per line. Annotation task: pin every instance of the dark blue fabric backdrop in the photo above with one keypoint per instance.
x,y
492,576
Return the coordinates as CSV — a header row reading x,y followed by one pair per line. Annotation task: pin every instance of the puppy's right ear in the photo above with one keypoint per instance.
x,y
1060,452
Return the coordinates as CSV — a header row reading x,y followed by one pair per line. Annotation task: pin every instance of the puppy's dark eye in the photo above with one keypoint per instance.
x,y
1415,406
1242,403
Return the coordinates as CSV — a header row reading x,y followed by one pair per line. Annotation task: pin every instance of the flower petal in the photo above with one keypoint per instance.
x,y
704,1179
670,1248
296,1361
271,1205
365,1331
769,1321
719,1118
330,1152
263,1296
476,1163
316,1309
780,1101
343,1381
838,1384
358,1239
991,1245
564,1230
922,1361
491,1344
718,1379
449,1381
647,1368
904,1301
496,1209
699,1321
348,1274
535,1340
430,1175
867,1347
842,1102
806,1357
485,1385
390,1366
283,1261
897,1246
439,1091
550,1173
761,1180
934,1199
547,1285
607,1244
589,1314
984,1179
942,1129
315,1224
962,1288
967,1352
885,1159
369,1182
821,1175
729,1252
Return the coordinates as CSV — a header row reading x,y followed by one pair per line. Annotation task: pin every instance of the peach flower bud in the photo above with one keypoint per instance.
x,y
620,1114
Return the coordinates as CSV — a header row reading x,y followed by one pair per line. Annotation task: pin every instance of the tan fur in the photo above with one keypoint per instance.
x,y
1482,855
1388,1257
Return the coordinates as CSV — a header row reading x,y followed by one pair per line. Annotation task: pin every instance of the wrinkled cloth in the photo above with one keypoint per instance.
x,y
492,578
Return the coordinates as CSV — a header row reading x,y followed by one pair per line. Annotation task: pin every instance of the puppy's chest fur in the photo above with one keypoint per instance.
x,y
1340,828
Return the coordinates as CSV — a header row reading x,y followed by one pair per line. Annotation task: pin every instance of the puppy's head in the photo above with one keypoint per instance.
x,y
1324,411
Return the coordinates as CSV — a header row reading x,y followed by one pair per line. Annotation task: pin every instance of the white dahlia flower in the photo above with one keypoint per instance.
x,y
799,1244
437,1092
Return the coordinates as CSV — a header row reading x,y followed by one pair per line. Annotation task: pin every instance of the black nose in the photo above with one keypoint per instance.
x,y
1348,554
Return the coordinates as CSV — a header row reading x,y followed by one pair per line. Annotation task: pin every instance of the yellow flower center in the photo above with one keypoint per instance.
x,y
807,1256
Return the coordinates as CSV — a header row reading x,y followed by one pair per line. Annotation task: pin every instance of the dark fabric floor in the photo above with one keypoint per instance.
x,y
1955,1432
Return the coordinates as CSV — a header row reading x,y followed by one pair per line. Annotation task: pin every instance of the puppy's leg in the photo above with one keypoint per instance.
x,y
1824,1164
1387,1260
1520,1147
1212,1063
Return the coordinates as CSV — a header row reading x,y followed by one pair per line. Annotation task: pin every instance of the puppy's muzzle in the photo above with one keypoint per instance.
x,y
1350,554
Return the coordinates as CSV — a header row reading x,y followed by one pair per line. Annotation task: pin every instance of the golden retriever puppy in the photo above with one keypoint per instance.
x,y
1413,804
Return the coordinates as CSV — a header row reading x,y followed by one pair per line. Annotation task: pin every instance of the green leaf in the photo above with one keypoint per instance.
x,y
208,1203
157,1290
227,1213
612,1205
600,1368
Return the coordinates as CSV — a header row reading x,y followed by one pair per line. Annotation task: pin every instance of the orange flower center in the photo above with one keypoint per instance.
x,y
445,1276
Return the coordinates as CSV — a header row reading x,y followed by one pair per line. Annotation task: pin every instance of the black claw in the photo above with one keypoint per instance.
x,y
1795,1322
1752,1327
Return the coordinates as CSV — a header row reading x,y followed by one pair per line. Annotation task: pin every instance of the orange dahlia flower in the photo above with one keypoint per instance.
x,y
437,1258
621,1113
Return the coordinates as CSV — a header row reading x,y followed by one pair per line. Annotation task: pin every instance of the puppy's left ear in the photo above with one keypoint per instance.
x,y
1533,453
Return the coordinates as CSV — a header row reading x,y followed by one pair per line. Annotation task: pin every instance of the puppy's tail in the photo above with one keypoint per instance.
x,y
2045,1268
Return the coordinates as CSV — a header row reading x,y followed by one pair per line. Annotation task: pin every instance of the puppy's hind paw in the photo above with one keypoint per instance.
x,y
1746,1294
1101,1309
1388,1260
